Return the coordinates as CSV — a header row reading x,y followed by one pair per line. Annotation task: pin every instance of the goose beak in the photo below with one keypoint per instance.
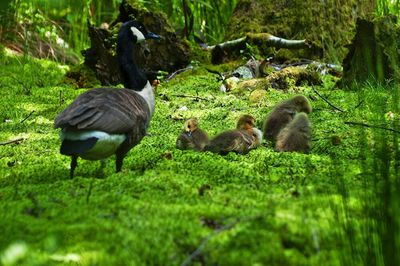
x,y
151,35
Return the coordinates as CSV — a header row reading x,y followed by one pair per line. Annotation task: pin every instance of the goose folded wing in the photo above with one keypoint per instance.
x,y
113,111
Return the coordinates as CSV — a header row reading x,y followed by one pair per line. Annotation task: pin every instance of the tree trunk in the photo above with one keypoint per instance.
x,y
373,54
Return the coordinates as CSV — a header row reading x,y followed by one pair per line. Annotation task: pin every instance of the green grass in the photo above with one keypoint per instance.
x,y
263,208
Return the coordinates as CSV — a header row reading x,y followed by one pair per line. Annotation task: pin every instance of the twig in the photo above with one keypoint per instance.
x,y
202,245
23,120
371,126
220,76
178,72
11,141
359,104
200,248
326,100
190,96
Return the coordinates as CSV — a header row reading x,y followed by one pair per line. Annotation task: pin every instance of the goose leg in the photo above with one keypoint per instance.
x,y
122,151
74,163
118,162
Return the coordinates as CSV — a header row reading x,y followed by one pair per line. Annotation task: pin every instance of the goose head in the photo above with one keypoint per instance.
x,y
137,32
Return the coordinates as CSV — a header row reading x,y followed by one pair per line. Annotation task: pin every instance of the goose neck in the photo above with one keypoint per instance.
x,y
132,76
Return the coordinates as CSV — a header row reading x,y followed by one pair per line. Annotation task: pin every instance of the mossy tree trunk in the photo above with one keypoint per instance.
x,y
6,18
374,53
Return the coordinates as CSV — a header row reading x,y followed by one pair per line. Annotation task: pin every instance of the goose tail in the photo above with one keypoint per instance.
x,y
77,147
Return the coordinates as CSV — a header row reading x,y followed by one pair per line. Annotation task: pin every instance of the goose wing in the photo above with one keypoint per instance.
x,y
114,111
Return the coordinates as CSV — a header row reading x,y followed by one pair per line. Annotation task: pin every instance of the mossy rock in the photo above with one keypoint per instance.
x,y
254,84
293,76
257,95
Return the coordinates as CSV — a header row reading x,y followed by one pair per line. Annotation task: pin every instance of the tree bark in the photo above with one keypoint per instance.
x,y
373,54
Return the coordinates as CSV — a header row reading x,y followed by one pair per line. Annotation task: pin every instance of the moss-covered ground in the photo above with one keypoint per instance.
x,y
173,207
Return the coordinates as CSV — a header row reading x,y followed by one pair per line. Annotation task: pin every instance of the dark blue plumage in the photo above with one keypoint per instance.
x,y
77,147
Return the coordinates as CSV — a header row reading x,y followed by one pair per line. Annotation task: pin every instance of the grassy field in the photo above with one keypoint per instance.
x,y
338,205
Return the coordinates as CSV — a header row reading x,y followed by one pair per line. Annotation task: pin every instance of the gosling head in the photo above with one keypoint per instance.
x,y
246,122
302,104
190,126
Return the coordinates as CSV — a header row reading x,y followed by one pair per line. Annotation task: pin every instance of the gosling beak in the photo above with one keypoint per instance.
x,y
151,35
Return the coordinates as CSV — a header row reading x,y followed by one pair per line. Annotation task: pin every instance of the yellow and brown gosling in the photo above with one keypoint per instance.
x,y
283,113
192,137
296,136
240,140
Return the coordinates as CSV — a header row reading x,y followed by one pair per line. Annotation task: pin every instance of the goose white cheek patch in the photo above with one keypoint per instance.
x,y
139,35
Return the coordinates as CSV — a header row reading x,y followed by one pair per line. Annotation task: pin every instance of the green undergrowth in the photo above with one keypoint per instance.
x,y
263,208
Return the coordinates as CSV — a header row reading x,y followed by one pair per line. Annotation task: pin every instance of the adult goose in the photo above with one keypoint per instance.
x,y
106,121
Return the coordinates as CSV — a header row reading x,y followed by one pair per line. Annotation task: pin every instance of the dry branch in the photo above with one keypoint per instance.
x,y
371,126
178,72
190,96
12,141
226,227
326,100
200,248
26,118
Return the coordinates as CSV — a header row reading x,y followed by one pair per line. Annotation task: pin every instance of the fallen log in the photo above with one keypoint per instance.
x,y
265,38
220,51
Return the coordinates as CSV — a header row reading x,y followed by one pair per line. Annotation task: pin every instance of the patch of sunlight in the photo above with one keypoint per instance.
x,y
10,137
49,63
286,215
14,253
10,52
84,258
68,258
44,62
43,121
31,107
